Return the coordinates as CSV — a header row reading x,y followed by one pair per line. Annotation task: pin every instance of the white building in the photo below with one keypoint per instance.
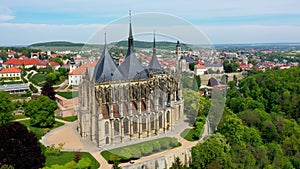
x,y
200,69
11,72
75,75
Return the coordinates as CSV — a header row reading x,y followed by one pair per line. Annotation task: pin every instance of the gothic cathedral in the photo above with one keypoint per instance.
x,y
129,101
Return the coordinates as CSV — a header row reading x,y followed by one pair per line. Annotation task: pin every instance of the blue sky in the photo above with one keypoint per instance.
x,y
231,21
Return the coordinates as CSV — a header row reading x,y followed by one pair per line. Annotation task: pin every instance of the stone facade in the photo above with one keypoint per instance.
x,y
116,112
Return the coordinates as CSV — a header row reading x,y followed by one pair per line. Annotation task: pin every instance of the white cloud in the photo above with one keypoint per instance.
x,y
6,17
6,14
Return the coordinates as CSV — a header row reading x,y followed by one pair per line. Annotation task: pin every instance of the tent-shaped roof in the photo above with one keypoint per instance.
x,y
154,64
106,68
131,67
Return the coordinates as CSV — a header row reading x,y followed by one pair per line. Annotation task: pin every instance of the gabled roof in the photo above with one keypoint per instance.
x,y
81,70
20,62
106,69
10,70
154,64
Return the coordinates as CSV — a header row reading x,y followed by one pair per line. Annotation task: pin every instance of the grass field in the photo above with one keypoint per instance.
x,y
39,131
68,95
65,157
38,79
188,134
71,118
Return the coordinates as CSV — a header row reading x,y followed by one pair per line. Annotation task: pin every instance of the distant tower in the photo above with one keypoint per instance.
x,y
72,65
178,50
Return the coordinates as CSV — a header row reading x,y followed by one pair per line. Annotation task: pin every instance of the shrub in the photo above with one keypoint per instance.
x,y
77,156
135,152
164,144
156,146
84,163
71,165
146,149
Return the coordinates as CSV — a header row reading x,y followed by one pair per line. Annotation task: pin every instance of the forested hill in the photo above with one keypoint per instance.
x,y
159,45
56,43
260,127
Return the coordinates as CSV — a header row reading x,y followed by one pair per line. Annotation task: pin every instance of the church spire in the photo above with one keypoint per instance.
x,y
154,46
130,38
154,65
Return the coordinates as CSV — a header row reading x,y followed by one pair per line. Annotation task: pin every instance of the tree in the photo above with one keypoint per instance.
x,y
198,80
177,164
48,90
41,111
214,148
116,165
6,108
19,148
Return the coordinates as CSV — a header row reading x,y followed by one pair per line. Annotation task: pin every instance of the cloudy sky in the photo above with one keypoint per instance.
x,y
231,21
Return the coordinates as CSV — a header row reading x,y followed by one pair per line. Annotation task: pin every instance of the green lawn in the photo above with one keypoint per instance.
x,y
38,79
68,95
65,157
188,134
71,118
135,151
39,131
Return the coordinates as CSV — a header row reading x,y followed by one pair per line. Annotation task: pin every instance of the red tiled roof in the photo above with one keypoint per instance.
x,y
198,66
54,64
81,70
43,63
23,57
10,70
17,62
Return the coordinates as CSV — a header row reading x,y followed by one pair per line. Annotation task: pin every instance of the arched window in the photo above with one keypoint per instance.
x,y
135,125
144,122
117,127
160,121
106,128
126,126
152,122
107,140
168,117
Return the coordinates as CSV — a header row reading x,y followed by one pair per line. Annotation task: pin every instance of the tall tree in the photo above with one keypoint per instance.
x,y
6,108
48,90
19,148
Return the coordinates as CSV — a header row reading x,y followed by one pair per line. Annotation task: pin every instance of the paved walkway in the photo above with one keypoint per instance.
x,y
73,142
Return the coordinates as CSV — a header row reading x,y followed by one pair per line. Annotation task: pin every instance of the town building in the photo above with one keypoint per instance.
x,y
216,67
27,63
11,73
75,74
15,88
129,101
200,69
